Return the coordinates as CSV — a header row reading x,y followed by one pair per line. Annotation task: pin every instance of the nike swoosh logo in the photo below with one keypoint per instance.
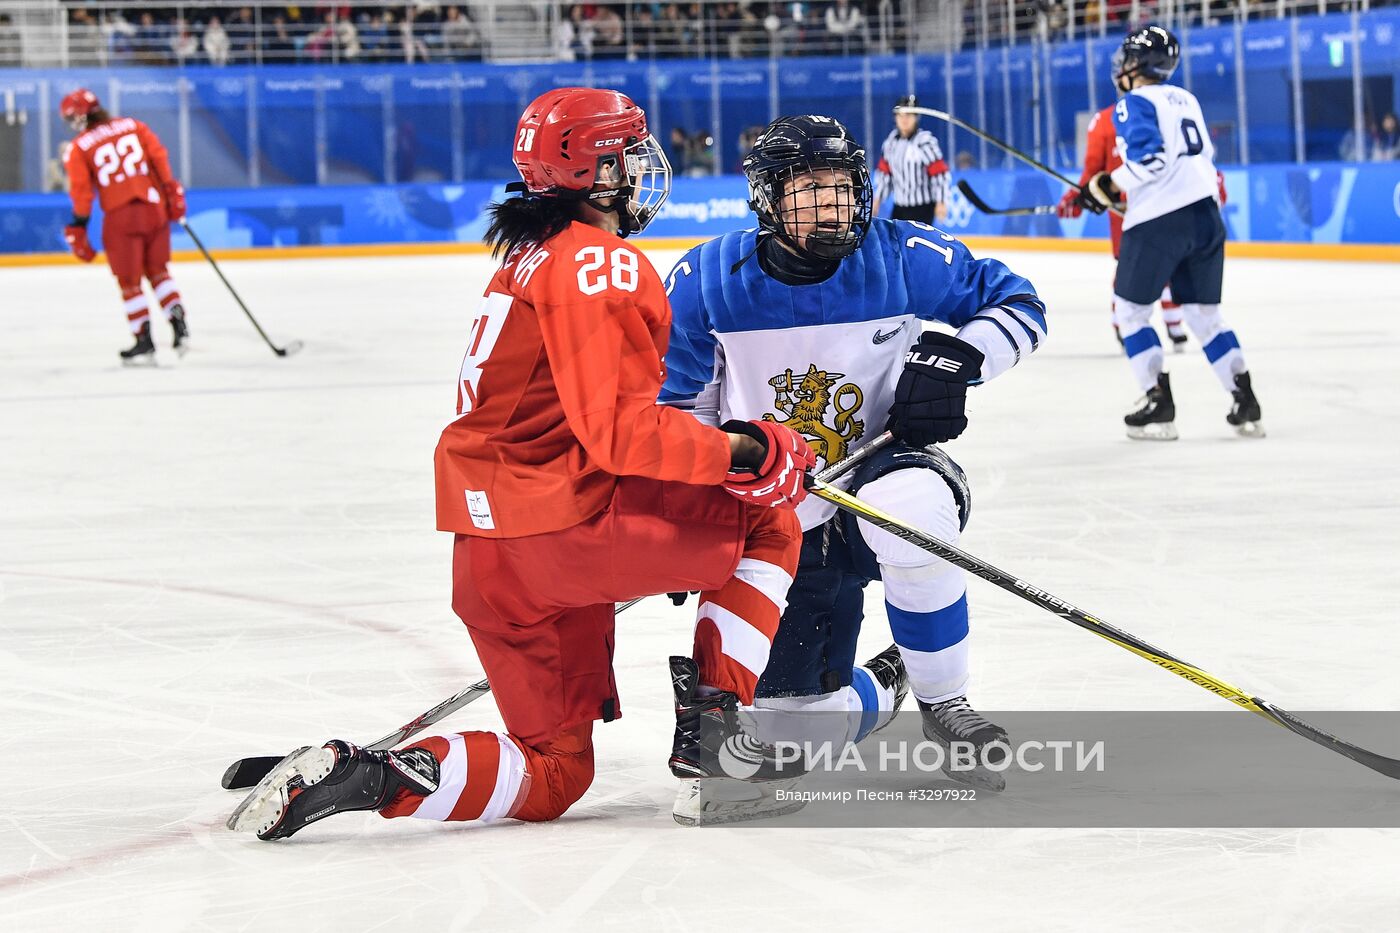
x,y
880,338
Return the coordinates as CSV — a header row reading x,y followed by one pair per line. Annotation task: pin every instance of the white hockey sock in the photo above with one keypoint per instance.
x,y
1218,342
1140,340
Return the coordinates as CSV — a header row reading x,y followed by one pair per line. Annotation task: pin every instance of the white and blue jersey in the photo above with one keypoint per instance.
x,y
824,358
1168,158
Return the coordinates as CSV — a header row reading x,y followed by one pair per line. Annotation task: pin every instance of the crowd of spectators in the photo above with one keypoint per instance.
x,y
1379,143
752,28
426,30
103,32
319,33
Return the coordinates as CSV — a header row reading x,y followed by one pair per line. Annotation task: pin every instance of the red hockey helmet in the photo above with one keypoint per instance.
x,y
77,106
591,144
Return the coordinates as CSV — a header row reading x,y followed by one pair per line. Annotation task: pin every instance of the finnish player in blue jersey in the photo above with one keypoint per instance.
x,y
816,320
1172,233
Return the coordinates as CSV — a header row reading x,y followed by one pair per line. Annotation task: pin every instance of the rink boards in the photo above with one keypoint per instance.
x,y
1313,211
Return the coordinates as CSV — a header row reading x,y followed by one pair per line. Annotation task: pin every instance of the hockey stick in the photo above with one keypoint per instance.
x,y
982,206
1390,767
1003,146
291,347
247,772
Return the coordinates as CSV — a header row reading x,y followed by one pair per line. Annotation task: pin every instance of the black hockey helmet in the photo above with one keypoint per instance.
x,y
908,100
794,146
1151,51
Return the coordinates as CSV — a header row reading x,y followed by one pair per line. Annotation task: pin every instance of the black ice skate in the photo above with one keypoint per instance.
x,y
712,801
181,329
1178,338
954,721
1245,412
311,784
143,352
710,742
887,668
1154,420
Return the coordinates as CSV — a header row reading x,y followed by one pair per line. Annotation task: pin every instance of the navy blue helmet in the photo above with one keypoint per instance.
x,y
802,148
1151,51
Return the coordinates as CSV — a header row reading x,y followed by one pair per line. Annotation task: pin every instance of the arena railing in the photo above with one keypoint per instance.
x,y
49,33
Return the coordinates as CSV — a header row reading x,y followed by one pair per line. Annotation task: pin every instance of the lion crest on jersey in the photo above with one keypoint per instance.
x,y
805,401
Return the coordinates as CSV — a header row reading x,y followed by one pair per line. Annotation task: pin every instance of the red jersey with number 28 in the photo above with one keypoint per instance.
x,y
557,393
121,160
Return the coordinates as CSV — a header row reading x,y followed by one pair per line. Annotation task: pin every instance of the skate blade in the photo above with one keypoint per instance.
x,y
717,801
263,808
994,782
1161,431
146,360
182,349
1253,429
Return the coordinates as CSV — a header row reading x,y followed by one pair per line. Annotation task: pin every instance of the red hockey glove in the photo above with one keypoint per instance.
x,y
1069,205
778,481
76,235
174,200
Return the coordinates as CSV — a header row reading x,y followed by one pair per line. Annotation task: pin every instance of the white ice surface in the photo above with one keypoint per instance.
x,y
234,554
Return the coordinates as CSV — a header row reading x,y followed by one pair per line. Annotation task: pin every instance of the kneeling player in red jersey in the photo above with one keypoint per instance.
x,y
124,162
569,489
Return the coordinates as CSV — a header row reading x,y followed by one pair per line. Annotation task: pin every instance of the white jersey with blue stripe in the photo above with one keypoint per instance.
x,y
824,358
1168,158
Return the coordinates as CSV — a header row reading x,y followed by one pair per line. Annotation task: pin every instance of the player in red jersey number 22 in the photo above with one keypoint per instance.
x,y
121,162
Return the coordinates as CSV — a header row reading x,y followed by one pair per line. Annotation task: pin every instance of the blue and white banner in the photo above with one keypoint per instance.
x,y
1321,203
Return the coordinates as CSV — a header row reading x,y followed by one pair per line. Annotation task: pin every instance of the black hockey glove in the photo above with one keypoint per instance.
x,y
1099,194
931,395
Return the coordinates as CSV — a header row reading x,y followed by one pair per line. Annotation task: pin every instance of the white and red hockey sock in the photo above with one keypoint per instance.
x,y
736,623
481,777
1171,314
490,776
138,311
166,292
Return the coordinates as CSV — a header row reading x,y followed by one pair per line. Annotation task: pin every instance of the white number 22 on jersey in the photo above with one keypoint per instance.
x,y
125,154
486,330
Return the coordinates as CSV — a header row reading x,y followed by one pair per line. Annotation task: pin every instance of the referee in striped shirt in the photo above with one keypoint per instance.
x,y
912,165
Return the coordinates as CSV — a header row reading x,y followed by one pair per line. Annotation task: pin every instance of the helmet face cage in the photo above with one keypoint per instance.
x,y
637,195
823,211
76,107
812,192
649,179
1115,69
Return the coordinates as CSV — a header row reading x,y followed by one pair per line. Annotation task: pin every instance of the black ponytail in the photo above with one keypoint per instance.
x,y
516,221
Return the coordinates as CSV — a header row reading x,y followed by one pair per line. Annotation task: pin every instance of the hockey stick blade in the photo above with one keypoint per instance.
x,y
982,206
291,348
247,772
1390,767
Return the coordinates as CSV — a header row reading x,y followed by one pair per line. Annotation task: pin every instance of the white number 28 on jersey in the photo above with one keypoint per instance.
x,y
486,330
622,271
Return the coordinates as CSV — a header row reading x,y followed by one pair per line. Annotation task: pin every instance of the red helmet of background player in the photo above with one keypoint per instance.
x,y
591,144
77,106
